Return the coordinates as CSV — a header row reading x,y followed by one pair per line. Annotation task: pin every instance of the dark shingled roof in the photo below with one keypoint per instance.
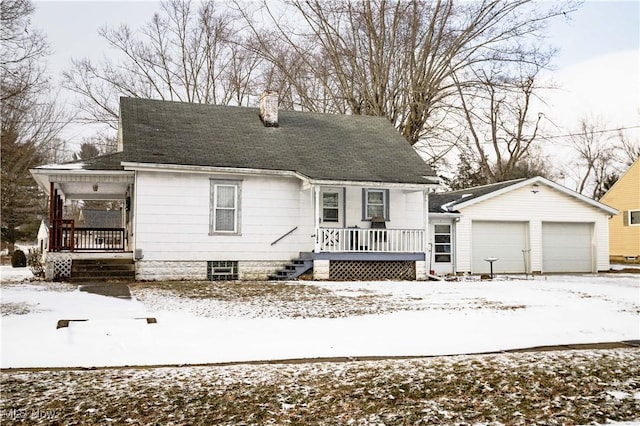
x,y
446,202
103,162
319,146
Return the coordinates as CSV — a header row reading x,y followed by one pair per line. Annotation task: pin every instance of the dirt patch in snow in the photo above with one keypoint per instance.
x,y
40,285
16,308
552,388
285,300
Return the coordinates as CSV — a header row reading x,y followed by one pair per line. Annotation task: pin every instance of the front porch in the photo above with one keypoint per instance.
x,y
370,254
370,232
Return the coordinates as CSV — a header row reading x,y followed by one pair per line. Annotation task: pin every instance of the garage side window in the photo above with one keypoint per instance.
x,y
633,218
442,243
224,215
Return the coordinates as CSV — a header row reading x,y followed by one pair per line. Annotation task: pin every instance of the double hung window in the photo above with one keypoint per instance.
x,y
225,207
375,203
330,206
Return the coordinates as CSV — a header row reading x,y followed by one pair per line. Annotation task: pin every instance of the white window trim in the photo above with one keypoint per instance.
x,y
629,217
215,183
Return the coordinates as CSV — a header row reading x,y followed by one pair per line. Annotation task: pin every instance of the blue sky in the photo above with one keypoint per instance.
x,y
586,38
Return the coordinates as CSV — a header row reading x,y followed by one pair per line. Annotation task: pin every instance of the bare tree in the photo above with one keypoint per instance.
x,y
393,59
31,122
499,121
628,149
22,50
596,160
183,53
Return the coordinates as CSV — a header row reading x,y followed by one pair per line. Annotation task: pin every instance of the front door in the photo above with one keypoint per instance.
x,y
442,248
332,208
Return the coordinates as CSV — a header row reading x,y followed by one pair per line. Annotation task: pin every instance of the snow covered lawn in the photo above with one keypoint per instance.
x,y
227,322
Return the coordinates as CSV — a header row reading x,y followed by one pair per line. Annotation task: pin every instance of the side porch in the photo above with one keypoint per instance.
x,y
77,249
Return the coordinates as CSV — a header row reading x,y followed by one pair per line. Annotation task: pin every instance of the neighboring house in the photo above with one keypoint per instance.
x,y
528,225
43,236
624,229
223,192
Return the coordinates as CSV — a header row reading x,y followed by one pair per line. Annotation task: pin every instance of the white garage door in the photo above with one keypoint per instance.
x,y
504,240
566,247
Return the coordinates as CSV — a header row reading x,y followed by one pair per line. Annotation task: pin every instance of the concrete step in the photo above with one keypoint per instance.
x,y
86,270
293,269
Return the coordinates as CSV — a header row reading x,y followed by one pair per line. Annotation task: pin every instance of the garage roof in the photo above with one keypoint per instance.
x,y
451,202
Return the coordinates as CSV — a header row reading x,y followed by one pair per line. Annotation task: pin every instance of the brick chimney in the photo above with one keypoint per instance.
x,y
269,108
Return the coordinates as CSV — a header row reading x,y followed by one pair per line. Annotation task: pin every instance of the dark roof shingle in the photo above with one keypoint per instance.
x,y
319,146
446,202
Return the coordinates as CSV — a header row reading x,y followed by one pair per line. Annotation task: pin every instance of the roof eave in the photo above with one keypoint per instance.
x,y
540,180
181,168
44,175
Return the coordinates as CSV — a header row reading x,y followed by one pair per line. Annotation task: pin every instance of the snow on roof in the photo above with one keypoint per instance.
x,y
65,166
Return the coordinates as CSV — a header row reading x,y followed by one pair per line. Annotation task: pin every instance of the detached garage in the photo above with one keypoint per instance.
x,y
529,225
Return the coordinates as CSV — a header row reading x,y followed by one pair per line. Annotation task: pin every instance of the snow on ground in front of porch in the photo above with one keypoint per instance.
x,y
441,318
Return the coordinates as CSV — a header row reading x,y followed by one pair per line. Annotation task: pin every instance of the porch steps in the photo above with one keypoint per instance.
x,y
294,269
102,270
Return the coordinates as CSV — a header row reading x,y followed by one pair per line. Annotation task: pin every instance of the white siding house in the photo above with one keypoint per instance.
x,y
220,192
528,225
176,207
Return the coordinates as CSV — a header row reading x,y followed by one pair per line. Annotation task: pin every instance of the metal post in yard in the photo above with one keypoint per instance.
x,y
525,256
491,260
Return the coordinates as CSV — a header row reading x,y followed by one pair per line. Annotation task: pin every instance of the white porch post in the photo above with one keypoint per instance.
x,y
316,217
422,267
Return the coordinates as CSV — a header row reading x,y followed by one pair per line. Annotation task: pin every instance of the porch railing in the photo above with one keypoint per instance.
x,y
69,237
371,240
96,239
62,234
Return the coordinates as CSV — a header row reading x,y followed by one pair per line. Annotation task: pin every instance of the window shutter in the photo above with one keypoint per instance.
x,y
625,218
386,205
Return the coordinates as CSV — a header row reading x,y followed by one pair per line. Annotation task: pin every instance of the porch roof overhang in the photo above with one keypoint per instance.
x,y
80,184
